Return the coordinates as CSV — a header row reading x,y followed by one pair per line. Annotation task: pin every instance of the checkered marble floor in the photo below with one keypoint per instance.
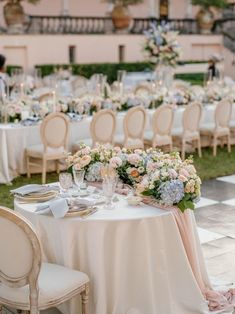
x,y
215,216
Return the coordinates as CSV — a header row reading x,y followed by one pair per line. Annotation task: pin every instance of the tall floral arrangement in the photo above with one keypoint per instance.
x,y
161,45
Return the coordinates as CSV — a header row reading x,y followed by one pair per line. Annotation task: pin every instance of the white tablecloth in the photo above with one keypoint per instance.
x,y
14,138
133,256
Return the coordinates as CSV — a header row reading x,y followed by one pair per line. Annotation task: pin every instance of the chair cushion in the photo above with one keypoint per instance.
x,y
38,151
177,132
210,129
188,135
55,282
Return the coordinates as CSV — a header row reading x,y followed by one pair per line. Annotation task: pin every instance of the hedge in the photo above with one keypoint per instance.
x,y
110,69
9,68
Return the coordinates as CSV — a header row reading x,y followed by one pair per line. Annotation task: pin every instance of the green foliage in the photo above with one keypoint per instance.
x,y
193,78
12,67
210,3
186,203
87,70
110,69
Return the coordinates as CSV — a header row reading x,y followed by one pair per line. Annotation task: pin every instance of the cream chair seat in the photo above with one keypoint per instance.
x,y
55,283
220,129
133,127
54,137
190,133
25,282
161,124
102,129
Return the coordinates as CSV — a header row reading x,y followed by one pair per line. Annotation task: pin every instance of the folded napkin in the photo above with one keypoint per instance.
x,y
27,189
59,208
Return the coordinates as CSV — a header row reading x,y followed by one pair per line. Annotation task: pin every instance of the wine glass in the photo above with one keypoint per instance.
x,y
66,181
108,188
78,176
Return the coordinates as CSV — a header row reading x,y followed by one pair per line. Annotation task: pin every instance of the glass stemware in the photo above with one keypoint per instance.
x,y
78,176
66,181
108,187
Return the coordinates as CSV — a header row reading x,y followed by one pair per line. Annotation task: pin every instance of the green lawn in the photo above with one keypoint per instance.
x,y
208,167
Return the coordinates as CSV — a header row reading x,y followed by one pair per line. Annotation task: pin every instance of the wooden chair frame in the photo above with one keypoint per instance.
x,y
31,278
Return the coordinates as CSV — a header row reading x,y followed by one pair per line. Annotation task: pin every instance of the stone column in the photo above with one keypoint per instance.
x,y
152,8
65,8
189,9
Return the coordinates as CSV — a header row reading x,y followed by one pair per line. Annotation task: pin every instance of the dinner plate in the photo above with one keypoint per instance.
x,y
81,213
37,198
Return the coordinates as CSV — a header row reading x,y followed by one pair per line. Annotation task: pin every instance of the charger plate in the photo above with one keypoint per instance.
x,y
37,198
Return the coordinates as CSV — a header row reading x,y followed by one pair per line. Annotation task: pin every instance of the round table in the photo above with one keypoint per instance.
x,y
133,256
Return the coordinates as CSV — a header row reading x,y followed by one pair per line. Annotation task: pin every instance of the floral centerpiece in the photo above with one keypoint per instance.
x,y
179,96
162,177
161,45
91,160
171,181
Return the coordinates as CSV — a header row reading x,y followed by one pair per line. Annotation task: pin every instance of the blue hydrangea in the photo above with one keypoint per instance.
x,y
172,192
93,172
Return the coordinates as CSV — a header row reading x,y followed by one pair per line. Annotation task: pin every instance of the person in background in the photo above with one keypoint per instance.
x,y
213,71
2,76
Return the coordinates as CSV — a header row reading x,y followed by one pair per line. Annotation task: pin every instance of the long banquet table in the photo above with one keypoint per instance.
x,y
14,138
133,256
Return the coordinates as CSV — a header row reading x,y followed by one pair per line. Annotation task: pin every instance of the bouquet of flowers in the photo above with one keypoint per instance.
x,y
91,160
130,165
171,181
179,97
161,45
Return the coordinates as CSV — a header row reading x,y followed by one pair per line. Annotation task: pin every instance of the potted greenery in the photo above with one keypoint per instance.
x,y
14,14
205,16
120,14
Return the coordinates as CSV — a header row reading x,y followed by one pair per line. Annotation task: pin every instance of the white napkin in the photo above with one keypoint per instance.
x,y
26,189
59,208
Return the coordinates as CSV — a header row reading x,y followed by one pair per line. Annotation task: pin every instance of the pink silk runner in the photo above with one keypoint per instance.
x,y
217,300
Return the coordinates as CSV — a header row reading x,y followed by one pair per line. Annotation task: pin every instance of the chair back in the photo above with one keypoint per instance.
x,y
54,131
103,126
223,113
20,258
45,97
78,82
191,117
143,90
162,120
134,124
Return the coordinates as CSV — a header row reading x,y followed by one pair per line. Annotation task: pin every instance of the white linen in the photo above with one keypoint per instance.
x,y
133,256
15,138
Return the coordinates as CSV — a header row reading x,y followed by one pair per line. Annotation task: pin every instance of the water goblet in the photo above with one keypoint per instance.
x,y
66,181
78,176
108,188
